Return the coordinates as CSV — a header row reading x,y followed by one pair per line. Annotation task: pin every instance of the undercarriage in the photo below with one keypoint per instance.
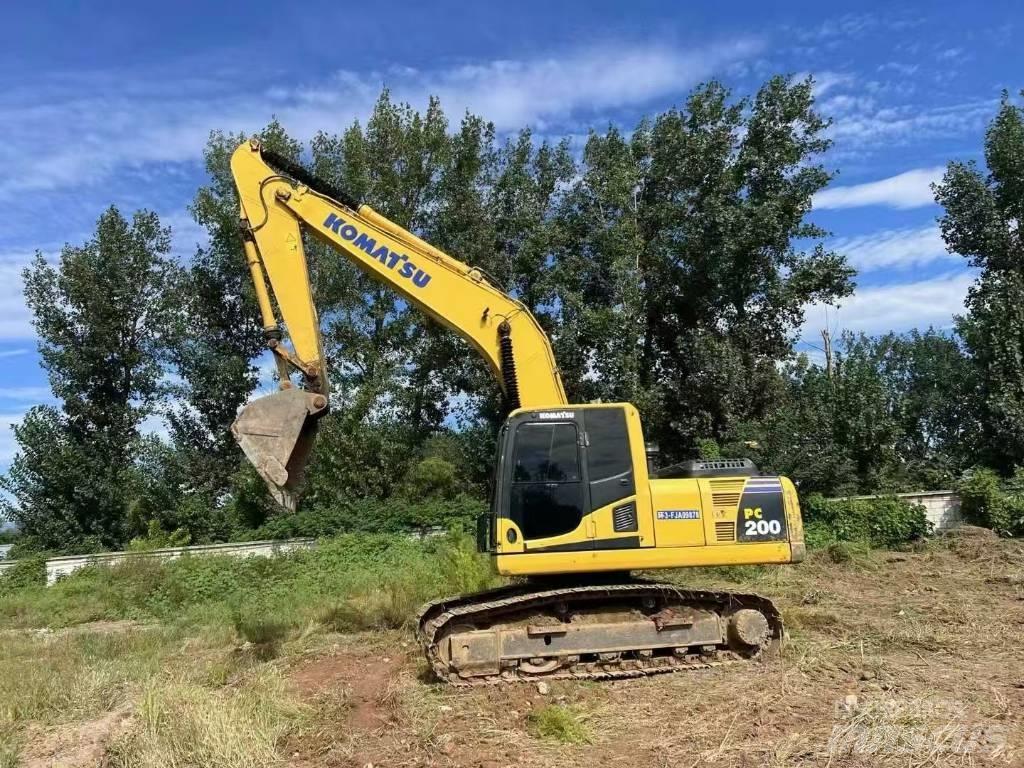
x,y
628,628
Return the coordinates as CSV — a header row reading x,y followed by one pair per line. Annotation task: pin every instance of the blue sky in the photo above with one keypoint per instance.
x,y
110,102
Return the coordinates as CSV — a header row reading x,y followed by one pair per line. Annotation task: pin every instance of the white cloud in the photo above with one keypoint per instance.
x,y
515,93
900,248
895,307
186,235
8,445
905,190
906,70
909,123
73,132
31,394
15,319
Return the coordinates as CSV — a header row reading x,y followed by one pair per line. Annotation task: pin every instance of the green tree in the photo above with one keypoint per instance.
x,y
104,316
932,382
892,414
681,286
982,221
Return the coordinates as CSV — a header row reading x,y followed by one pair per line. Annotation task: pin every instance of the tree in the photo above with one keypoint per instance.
x,y
681,284
932,383
892,414
105,316
982,221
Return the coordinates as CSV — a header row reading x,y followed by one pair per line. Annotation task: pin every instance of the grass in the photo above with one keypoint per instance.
x,y
189,647
75,676
9,750
198,662
182,724
559,722
372,580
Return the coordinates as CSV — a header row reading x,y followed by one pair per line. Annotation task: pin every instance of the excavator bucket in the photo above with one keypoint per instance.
x,y
276,434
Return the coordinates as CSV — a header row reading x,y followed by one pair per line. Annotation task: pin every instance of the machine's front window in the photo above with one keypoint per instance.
x,y
547,494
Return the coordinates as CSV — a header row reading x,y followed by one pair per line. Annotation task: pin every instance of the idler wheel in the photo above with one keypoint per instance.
x,y
748,629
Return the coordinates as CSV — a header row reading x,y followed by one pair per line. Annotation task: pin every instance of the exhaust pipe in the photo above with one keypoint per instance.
x,y
276,434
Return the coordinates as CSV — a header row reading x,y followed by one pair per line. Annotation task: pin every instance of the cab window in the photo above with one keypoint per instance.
x,y
547,492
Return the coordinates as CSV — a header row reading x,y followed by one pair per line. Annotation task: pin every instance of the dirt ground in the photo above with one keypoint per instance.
x,y
903,659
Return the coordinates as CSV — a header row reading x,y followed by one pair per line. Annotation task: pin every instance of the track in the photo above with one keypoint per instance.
x,y
592,631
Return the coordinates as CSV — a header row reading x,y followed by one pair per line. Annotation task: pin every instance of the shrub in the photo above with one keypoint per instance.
x,y
989,501
157,538
30,572
885,521
397,515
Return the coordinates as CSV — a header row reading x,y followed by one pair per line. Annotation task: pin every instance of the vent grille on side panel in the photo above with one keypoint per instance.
x,y
624,518
725,494
725,531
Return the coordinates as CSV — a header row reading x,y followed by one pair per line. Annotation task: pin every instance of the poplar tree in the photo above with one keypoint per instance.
x,y
105,316
982,221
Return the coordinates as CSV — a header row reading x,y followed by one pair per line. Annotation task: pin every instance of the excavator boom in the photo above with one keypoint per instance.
x,y
280,201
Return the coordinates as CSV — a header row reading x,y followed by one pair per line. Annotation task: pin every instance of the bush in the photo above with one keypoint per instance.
x,y
989,501
885,521
395,515
157,538
30,572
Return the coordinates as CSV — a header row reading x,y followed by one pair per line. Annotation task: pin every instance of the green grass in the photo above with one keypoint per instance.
x,y
561,723
352,582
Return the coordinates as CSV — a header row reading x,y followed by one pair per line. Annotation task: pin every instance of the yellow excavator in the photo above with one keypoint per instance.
x,y
577,504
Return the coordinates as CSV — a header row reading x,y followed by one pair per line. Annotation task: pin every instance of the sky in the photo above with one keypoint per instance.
x,y
112,102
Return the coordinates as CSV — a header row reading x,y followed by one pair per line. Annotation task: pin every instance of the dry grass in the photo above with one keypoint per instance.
x,y
183,724
50,679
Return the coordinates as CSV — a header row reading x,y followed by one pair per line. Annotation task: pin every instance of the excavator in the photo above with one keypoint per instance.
x,y
577,503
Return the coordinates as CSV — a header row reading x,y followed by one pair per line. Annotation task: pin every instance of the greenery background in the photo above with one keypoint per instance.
x,y
670,267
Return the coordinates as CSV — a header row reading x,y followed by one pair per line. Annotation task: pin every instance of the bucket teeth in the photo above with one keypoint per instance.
x,y
276,434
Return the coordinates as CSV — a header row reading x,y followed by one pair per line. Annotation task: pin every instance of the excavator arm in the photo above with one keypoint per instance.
x,y
279,200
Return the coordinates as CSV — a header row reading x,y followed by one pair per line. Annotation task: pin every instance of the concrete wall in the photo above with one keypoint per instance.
x,y
941,507
59,567
6,565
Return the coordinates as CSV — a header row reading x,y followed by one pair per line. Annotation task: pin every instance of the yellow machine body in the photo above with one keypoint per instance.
x,y
644,522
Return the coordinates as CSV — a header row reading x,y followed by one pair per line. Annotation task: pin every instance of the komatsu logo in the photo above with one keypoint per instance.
x,y
556,415
389,258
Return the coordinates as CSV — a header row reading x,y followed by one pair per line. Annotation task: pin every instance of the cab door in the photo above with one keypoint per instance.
x,y
616,508
548,495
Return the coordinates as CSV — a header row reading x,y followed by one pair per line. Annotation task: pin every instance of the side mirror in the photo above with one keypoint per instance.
x,y
483,532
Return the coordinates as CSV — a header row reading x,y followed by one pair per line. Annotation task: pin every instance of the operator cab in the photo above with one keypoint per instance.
x,y
556,467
